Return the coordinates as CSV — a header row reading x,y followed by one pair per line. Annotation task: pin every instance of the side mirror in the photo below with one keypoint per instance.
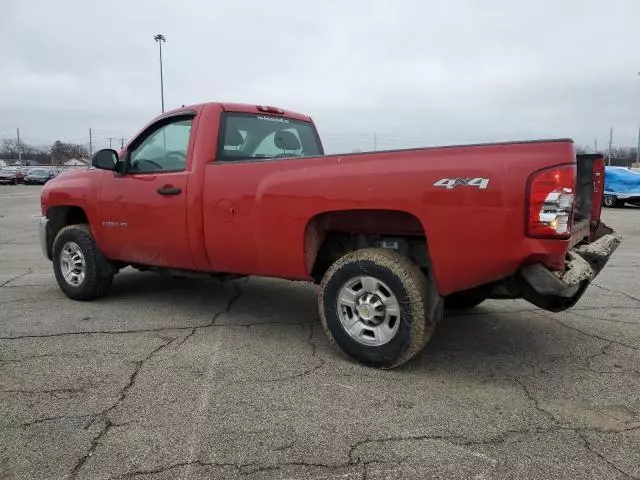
x,y
105,159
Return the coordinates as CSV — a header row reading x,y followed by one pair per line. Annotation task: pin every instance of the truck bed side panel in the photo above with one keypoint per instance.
x,y
256,212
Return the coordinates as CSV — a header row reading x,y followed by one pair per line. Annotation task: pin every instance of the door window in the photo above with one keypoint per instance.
x,y
163,150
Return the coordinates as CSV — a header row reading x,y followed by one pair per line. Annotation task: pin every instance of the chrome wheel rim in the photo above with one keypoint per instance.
x,y
608,200
368,311
72,264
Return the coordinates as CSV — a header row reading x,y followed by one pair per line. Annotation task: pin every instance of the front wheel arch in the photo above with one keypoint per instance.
x,y
60,217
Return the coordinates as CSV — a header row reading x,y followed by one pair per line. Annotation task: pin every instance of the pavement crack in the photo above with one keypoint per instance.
x,y
99,332
580,313
235,297
578,431
602,457
536,402
7,282
629,296
136,371
227,309
92,448
191,329
587,334
38,421
244,469
352,459
52,391
121,397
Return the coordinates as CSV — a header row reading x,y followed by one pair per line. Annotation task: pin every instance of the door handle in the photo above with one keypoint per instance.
x,y
169,190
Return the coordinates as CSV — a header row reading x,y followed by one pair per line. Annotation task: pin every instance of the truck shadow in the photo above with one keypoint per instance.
x,y
503,338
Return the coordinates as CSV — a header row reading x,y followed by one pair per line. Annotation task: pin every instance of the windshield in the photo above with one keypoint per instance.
x,y
245,136
39,173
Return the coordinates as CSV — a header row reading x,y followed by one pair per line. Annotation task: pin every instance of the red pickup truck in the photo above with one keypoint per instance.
x,y
392,237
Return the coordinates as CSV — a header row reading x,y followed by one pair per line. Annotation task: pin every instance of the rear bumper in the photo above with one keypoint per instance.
x,y
557,291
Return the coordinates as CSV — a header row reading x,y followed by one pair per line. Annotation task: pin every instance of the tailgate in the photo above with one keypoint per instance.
x,y
588,201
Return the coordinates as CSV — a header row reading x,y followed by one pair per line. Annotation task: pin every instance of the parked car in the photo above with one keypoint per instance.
x,y
11,175
38,177
621,185
392,237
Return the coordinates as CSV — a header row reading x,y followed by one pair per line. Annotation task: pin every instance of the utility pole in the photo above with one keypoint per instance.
x,y
90,143
122,139
19,146
111,139
610,144
595,145
161,39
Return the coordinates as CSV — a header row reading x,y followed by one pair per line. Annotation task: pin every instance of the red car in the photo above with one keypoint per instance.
x,y
392,237
11,175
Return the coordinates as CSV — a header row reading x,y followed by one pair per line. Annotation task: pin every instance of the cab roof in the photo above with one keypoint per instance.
x,y
245,108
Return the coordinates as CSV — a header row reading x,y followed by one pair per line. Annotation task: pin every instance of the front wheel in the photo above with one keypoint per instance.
x,y
82,271
374,305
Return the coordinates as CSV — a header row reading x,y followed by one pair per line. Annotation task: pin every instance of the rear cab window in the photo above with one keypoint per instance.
x,y
249,136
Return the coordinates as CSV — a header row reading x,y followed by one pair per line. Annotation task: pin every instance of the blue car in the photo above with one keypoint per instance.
x,y
621,185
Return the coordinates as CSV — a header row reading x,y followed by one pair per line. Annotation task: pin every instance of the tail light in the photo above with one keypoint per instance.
x,y
551,196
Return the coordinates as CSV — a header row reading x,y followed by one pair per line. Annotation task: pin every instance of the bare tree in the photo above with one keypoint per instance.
x,y
11,149
61,152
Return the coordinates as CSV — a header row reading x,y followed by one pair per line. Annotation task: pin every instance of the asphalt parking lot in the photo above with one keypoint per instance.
x,y
193,379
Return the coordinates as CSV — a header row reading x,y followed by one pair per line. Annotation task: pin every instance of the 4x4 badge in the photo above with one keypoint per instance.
x,y
451,183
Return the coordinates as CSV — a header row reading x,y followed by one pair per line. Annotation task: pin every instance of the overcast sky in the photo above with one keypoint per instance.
x,y
414,72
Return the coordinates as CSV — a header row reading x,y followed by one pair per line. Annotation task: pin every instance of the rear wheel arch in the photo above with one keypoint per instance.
x,y
330,235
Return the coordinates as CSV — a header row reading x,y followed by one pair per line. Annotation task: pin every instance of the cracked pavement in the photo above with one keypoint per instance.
x,y
197,379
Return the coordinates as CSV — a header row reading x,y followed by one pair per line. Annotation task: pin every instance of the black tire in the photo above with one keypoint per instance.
x,y
99,272
405,281
611,201
14,181
463,300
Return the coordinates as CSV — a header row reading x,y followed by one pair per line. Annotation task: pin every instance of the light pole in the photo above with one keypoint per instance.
x,y
161,39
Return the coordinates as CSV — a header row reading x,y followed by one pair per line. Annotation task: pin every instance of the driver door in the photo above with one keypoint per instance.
x,y
143,213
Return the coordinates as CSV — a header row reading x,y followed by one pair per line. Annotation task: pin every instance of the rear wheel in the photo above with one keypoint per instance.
x,y
82,271
373,304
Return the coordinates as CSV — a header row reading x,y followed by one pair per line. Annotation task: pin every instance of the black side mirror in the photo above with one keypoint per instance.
x,y
105,159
